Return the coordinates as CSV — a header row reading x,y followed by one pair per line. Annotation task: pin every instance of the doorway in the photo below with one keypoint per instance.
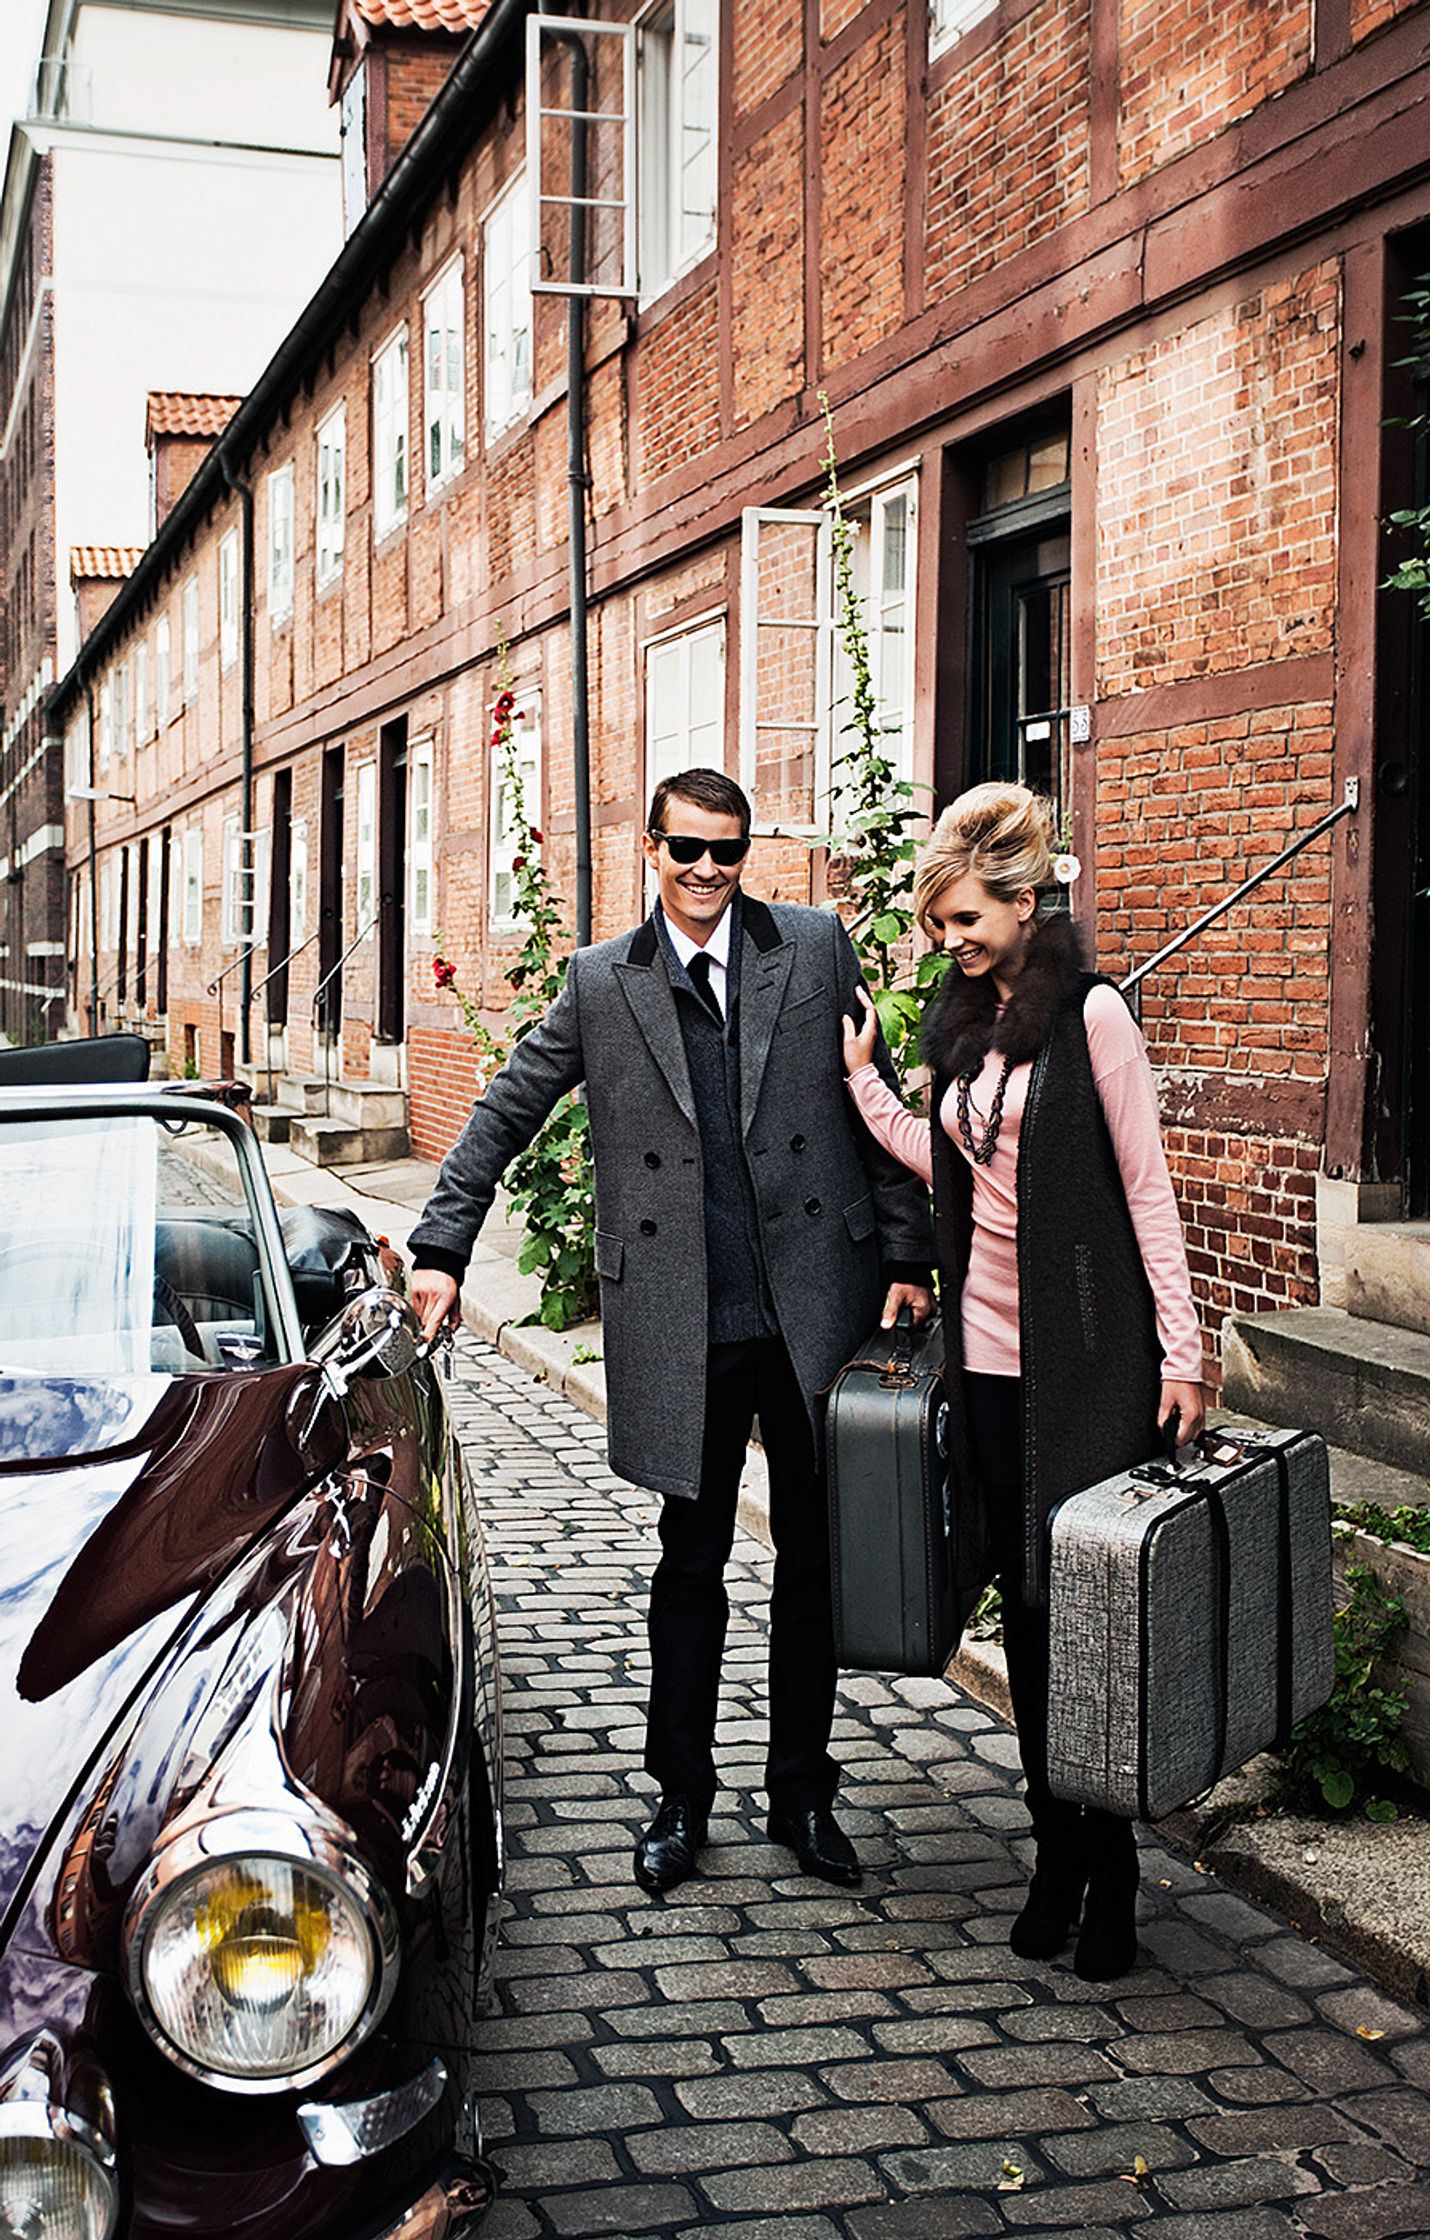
x,y
329,1018
280,925
1020,563
391,1020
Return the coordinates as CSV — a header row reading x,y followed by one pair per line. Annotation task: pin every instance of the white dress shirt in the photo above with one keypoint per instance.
x,y
717,949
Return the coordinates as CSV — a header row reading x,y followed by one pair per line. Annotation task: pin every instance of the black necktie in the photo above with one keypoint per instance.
x,y
699,970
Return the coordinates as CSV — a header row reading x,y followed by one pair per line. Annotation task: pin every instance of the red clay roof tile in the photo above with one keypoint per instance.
x,y
187,412
422,15
104,563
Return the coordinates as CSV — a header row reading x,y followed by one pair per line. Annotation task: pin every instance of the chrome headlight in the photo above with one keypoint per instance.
x,y
53,2183
259,1969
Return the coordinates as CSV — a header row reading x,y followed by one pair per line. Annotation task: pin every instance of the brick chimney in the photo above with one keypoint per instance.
x,y
179,427
96,573
390,59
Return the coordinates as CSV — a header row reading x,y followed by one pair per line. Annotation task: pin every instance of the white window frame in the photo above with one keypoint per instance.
x,y
228,600
391,425
193,860
420,851
123,710
365,849
538,28
661,125
143,730
527,715
191,640
331,494
506,293
231,901
106,724
163,673
878,495
753,520
949,19
444,384
106,905
298,885
281,526
671,653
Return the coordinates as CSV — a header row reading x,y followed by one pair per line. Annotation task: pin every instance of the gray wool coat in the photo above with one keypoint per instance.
x,y
834,1209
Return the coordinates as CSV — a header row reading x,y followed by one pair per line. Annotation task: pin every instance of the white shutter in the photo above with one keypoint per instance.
x,y
606,208
785,637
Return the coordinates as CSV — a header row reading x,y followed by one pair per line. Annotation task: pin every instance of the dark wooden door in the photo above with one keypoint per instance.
x,y
330,896
392,882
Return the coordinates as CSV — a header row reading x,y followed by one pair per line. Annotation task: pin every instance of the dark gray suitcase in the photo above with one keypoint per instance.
x,y
1191,1620
891,1513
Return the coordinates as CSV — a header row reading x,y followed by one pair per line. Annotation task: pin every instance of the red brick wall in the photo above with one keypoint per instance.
x,y
1007,145
1189,71
1369,15
1216,501
676,378
768,47
767,277
861,241
443,1073
1249,1212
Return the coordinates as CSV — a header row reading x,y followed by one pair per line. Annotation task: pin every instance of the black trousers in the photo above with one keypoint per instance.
x,y
689,1606
995,1422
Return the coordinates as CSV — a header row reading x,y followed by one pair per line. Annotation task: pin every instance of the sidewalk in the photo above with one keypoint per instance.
x,y
1362,1890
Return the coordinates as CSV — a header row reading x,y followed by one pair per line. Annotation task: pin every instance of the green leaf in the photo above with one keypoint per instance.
x,y
1381,1808
889,928
1338,1790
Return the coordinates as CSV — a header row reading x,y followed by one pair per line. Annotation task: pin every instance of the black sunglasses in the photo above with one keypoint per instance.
x,y
688,847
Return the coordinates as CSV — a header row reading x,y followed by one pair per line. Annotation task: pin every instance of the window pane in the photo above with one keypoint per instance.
x,y
699,30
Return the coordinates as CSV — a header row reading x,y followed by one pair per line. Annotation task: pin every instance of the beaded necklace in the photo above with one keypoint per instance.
x,y
980,1151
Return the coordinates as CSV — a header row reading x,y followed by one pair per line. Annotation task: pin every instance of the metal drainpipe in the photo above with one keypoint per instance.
x,y
577,481
93,864
244,494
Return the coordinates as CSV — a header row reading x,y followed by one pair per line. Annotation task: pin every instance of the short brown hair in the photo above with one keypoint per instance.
x,y
703,789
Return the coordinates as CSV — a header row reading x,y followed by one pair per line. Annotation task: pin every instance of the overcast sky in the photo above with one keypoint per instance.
x,y
24,23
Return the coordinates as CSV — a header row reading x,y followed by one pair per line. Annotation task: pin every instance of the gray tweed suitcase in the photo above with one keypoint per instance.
x,y
891,1521
1190,1620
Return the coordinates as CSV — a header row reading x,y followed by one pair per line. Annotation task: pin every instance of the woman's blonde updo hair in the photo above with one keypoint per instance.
x,y
1000,833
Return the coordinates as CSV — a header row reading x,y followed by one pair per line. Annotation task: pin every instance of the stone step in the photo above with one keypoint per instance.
x,y
369,1104
337,1143
1363,1385
271,1122
1388,1274
303,1091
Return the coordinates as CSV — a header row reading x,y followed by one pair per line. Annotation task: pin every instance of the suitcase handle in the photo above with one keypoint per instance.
x,y
898,1372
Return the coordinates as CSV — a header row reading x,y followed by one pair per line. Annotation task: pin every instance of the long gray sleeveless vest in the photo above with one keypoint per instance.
x,y
1091,1361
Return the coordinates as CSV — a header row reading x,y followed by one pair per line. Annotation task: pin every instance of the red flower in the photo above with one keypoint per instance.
x,y
536,835
518,863
505,703
443,973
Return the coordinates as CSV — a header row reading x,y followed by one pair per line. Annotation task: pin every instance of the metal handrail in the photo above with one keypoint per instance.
x,y
331,974
232,966
273,973
1345,808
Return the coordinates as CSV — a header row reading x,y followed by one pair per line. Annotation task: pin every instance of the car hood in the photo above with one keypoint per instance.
x,y
104,1554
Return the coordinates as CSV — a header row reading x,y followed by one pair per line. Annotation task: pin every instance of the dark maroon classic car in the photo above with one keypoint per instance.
x,y
250,1806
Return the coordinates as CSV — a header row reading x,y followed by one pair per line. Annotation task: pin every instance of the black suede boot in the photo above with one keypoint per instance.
x,y
1051,1908
1107,1940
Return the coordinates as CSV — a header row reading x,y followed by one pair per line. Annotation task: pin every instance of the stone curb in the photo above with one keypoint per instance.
x,y
1341,1903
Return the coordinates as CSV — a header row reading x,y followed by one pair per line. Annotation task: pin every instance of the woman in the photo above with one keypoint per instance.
x,y
1067,1304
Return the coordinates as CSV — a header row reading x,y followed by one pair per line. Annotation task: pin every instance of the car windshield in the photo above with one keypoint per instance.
x,y
128,1244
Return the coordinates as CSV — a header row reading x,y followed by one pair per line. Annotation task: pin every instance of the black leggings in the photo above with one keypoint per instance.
x,y
995,1424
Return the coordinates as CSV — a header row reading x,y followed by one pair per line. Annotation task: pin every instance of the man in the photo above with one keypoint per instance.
x,y
746,1227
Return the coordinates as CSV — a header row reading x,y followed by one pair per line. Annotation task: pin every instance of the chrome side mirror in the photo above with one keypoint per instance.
x,y
375,1336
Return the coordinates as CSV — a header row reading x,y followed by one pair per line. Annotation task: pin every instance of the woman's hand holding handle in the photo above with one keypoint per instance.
x,y
1187,1403
859,1044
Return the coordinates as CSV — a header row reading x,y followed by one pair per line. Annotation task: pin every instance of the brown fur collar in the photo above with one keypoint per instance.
x,y
962,1026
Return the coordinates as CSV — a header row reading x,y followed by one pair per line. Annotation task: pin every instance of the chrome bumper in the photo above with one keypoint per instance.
x,y
452,2208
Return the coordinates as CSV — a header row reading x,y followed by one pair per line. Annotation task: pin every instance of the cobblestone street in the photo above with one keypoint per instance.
x,y
783,2061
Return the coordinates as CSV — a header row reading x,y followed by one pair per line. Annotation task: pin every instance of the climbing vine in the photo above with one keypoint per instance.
x,y
551,1184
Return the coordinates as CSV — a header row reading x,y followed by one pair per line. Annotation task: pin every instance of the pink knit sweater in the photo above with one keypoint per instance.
x,y
1128,1095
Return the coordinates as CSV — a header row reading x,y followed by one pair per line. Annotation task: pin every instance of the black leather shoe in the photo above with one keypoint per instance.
x,y
666,1853
818,1842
